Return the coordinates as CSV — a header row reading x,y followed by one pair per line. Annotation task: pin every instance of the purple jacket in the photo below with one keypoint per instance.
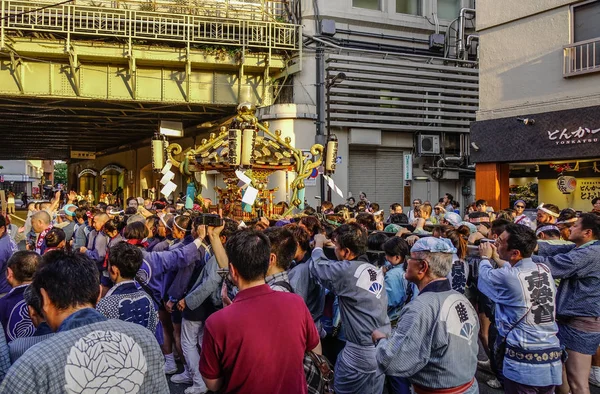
x,y
157,264
14,315
7,248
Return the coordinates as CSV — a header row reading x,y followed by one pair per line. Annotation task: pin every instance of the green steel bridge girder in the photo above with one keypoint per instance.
x,y
145,73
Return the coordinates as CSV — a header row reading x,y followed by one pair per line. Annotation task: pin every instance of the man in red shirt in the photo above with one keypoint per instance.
x,y
257,344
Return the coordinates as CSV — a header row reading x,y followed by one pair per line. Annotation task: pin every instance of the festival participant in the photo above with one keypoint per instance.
x,y
312,225
452,219
565,221
398,289
40,224
69,228
13,310
201,301
283,250
154,238
547,214
578,298
79,235
88,348
55,240
165,231
363,303
551,234
173,288
237,347
596,205
523,292
97,240
7,248
447,201
151,276
423,219
435,330
19,346
303,283
459,272
411,213
520,217
124,300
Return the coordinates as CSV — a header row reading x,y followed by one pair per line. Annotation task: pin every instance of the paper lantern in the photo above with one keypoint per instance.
x,y
566,184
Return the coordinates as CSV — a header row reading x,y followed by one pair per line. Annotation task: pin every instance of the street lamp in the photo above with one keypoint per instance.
x,y
332,143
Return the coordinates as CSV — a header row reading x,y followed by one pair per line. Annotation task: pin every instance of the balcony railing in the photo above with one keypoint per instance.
x,y
79,20
581,58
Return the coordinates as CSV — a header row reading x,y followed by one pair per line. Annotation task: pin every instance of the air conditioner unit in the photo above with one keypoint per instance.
x,y
429,144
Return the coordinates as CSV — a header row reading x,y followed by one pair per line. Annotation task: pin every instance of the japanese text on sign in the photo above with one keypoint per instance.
x,y
589,190
582,135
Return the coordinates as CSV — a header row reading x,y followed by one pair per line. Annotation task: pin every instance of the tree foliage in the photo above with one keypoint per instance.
x,y
60,173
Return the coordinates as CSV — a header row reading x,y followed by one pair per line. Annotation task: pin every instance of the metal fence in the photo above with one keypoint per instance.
x,y
82,19
581,58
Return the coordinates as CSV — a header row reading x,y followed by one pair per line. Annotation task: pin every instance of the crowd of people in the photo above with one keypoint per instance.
x,y
347,298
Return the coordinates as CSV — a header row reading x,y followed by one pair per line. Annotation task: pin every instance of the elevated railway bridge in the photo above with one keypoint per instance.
x,y
94,75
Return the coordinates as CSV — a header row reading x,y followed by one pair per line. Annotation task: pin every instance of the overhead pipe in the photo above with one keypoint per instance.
x,y
339,47
382,36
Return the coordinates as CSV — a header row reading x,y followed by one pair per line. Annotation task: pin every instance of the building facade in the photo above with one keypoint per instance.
x,y
538,125
25,176
398,97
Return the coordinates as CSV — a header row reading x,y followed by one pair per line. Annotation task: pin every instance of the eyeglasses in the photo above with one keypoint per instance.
x,y
416,203
408,257
519,206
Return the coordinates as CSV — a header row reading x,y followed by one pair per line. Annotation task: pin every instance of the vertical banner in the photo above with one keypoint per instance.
x,y
408,166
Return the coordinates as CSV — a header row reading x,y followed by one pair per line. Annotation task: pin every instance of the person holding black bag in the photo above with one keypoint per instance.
x,y
527,347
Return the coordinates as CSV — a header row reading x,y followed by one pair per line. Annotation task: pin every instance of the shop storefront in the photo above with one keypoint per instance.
x,y
86,180
551,157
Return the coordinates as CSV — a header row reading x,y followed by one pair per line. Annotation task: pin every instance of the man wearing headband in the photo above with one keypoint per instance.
x,y
436,329
566,220
521,218
578,297
524,296
547,214
551,234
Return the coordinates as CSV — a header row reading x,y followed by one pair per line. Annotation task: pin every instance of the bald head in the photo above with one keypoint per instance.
x,y
100,220
40,221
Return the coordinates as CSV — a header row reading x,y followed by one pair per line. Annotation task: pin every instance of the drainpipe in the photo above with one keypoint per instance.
x,y
461,29
470,39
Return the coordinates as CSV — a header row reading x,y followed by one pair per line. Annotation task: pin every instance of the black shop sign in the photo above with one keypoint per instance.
x,y
551,136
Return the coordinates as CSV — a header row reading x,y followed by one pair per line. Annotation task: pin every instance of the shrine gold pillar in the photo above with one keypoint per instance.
x,y
492,185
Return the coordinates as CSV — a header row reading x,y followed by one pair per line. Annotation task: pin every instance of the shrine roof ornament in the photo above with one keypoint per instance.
x,y
251,147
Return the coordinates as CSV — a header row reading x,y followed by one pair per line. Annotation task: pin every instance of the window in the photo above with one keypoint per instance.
x,y
412,7
585,21
448,9
368,4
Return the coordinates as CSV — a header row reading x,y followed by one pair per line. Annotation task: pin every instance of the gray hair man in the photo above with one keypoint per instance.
x,y
435,331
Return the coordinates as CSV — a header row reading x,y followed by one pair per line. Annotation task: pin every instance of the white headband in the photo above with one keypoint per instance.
x,y
546,228
178,226
573,220
162,219
549,212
